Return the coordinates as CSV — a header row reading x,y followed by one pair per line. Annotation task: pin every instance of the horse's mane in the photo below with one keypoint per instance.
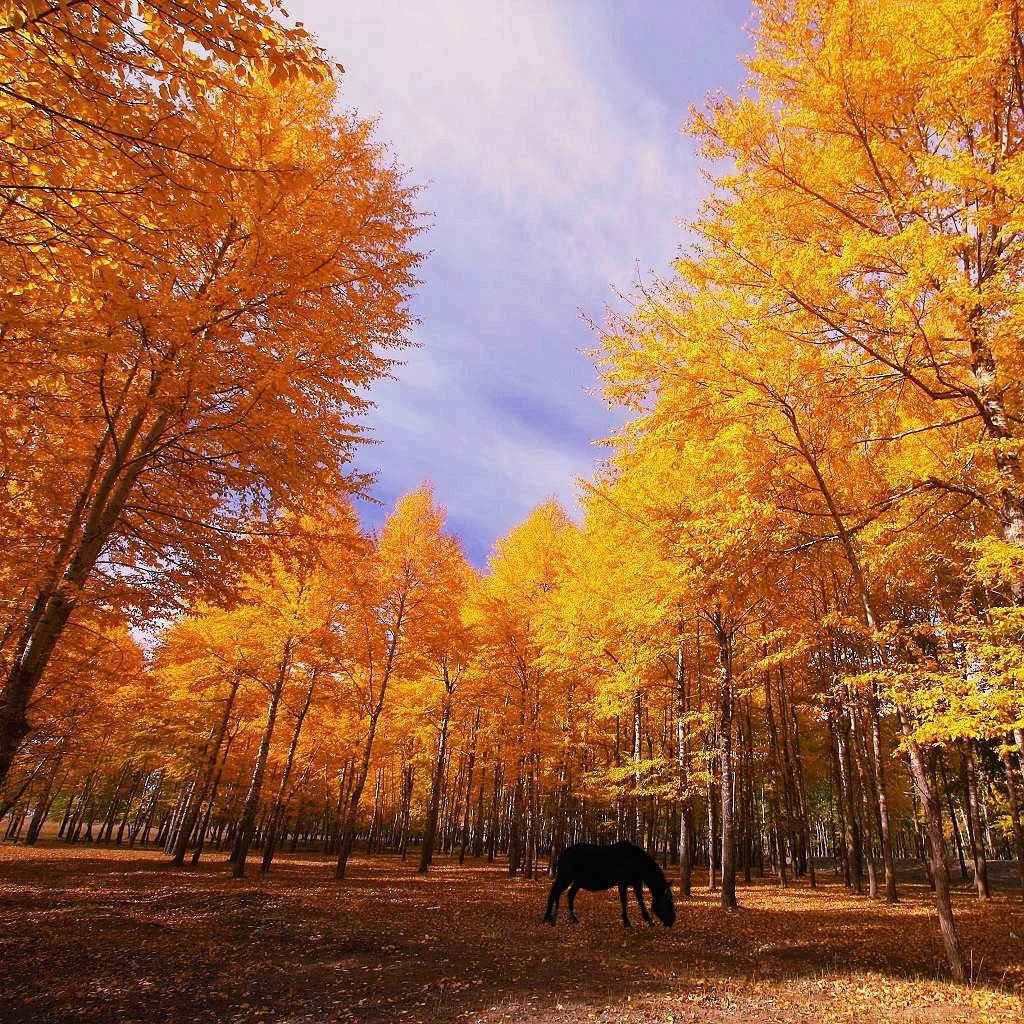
x,y
653,872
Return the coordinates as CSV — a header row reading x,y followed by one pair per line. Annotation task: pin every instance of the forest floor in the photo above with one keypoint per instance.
x,y
91,934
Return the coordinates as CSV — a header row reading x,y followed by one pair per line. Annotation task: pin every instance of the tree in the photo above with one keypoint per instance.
x,y
446,652
509,606
876,211
390,619
853,287
109,106
160,396
293,603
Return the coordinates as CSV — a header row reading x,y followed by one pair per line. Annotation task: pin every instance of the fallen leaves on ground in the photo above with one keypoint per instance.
x,y
92,934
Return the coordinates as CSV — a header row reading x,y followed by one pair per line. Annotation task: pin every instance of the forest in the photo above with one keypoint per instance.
x,y
778,645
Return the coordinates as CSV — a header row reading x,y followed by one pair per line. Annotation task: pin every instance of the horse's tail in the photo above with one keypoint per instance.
x,y
553,894
563,860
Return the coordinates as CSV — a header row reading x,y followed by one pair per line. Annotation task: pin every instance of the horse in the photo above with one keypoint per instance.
x,y
594,866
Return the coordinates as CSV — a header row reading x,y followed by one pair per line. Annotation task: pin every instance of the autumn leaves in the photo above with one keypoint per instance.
x,y
326,624
829,391
204,266
796,587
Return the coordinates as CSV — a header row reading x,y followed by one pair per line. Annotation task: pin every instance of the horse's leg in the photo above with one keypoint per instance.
x,y
625,914
554,898
572,900
639,890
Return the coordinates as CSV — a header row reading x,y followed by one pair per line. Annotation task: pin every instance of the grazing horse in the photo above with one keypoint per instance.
x,y
591,866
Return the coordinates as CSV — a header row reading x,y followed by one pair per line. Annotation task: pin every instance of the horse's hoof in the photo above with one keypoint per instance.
x,y
626,924
650,924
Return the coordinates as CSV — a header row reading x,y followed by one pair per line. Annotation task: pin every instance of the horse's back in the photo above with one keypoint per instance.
x,y
601,865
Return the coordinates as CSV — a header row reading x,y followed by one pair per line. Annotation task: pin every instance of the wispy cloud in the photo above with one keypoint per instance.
x,y
554,170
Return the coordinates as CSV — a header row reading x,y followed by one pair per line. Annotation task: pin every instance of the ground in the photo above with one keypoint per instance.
x,y
91,934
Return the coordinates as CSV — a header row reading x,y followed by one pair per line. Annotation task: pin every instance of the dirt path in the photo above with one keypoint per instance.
x,y
98,935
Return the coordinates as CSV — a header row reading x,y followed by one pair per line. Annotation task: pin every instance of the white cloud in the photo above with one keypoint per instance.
x,y
552,173
516,101
488,465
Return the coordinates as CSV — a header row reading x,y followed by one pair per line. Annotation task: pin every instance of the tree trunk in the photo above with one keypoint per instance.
x,y
189,825
348,831
205,824
92,522
144,819
247,822
469,787
685,809
281,799
862,778
515,837
44,802
492,828
802,800
977,849
1018,829
878,767
713,815
430,827
774,776
408,781
849,814
936,856
958,841
841,848
478,825
725,697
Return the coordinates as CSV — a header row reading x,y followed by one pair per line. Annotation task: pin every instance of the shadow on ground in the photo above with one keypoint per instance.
x,y
89,935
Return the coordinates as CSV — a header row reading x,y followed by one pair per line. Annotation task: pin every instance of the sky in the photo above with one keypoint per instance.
x,y
548,138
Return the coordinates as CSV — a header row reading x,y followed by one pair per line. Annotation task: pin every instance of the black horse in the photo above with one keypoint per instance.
x,y
593,867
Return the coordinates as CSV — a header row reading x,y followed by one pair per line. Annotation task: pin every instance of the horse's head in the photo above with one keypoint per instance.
x,y
664,906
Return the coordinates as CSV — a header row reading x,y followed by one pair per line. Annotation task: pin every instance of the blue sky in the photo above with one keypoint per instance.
x,y
548,137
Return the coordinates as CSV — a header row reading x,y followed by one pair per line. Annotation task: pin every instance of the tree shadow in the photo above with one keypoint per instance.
x,y
123,937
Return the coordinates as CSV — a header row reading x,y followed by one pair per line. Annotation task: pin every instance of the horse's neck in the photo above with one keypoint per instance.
x,y
654,877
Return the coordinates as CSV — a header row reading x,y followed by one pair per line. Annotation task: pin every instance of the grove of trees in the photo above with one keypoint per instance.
x,y
785,634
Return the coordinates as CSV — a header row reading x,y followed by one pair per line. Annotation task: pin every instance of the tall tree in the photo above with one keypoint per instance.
x,y
389,618
155,396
